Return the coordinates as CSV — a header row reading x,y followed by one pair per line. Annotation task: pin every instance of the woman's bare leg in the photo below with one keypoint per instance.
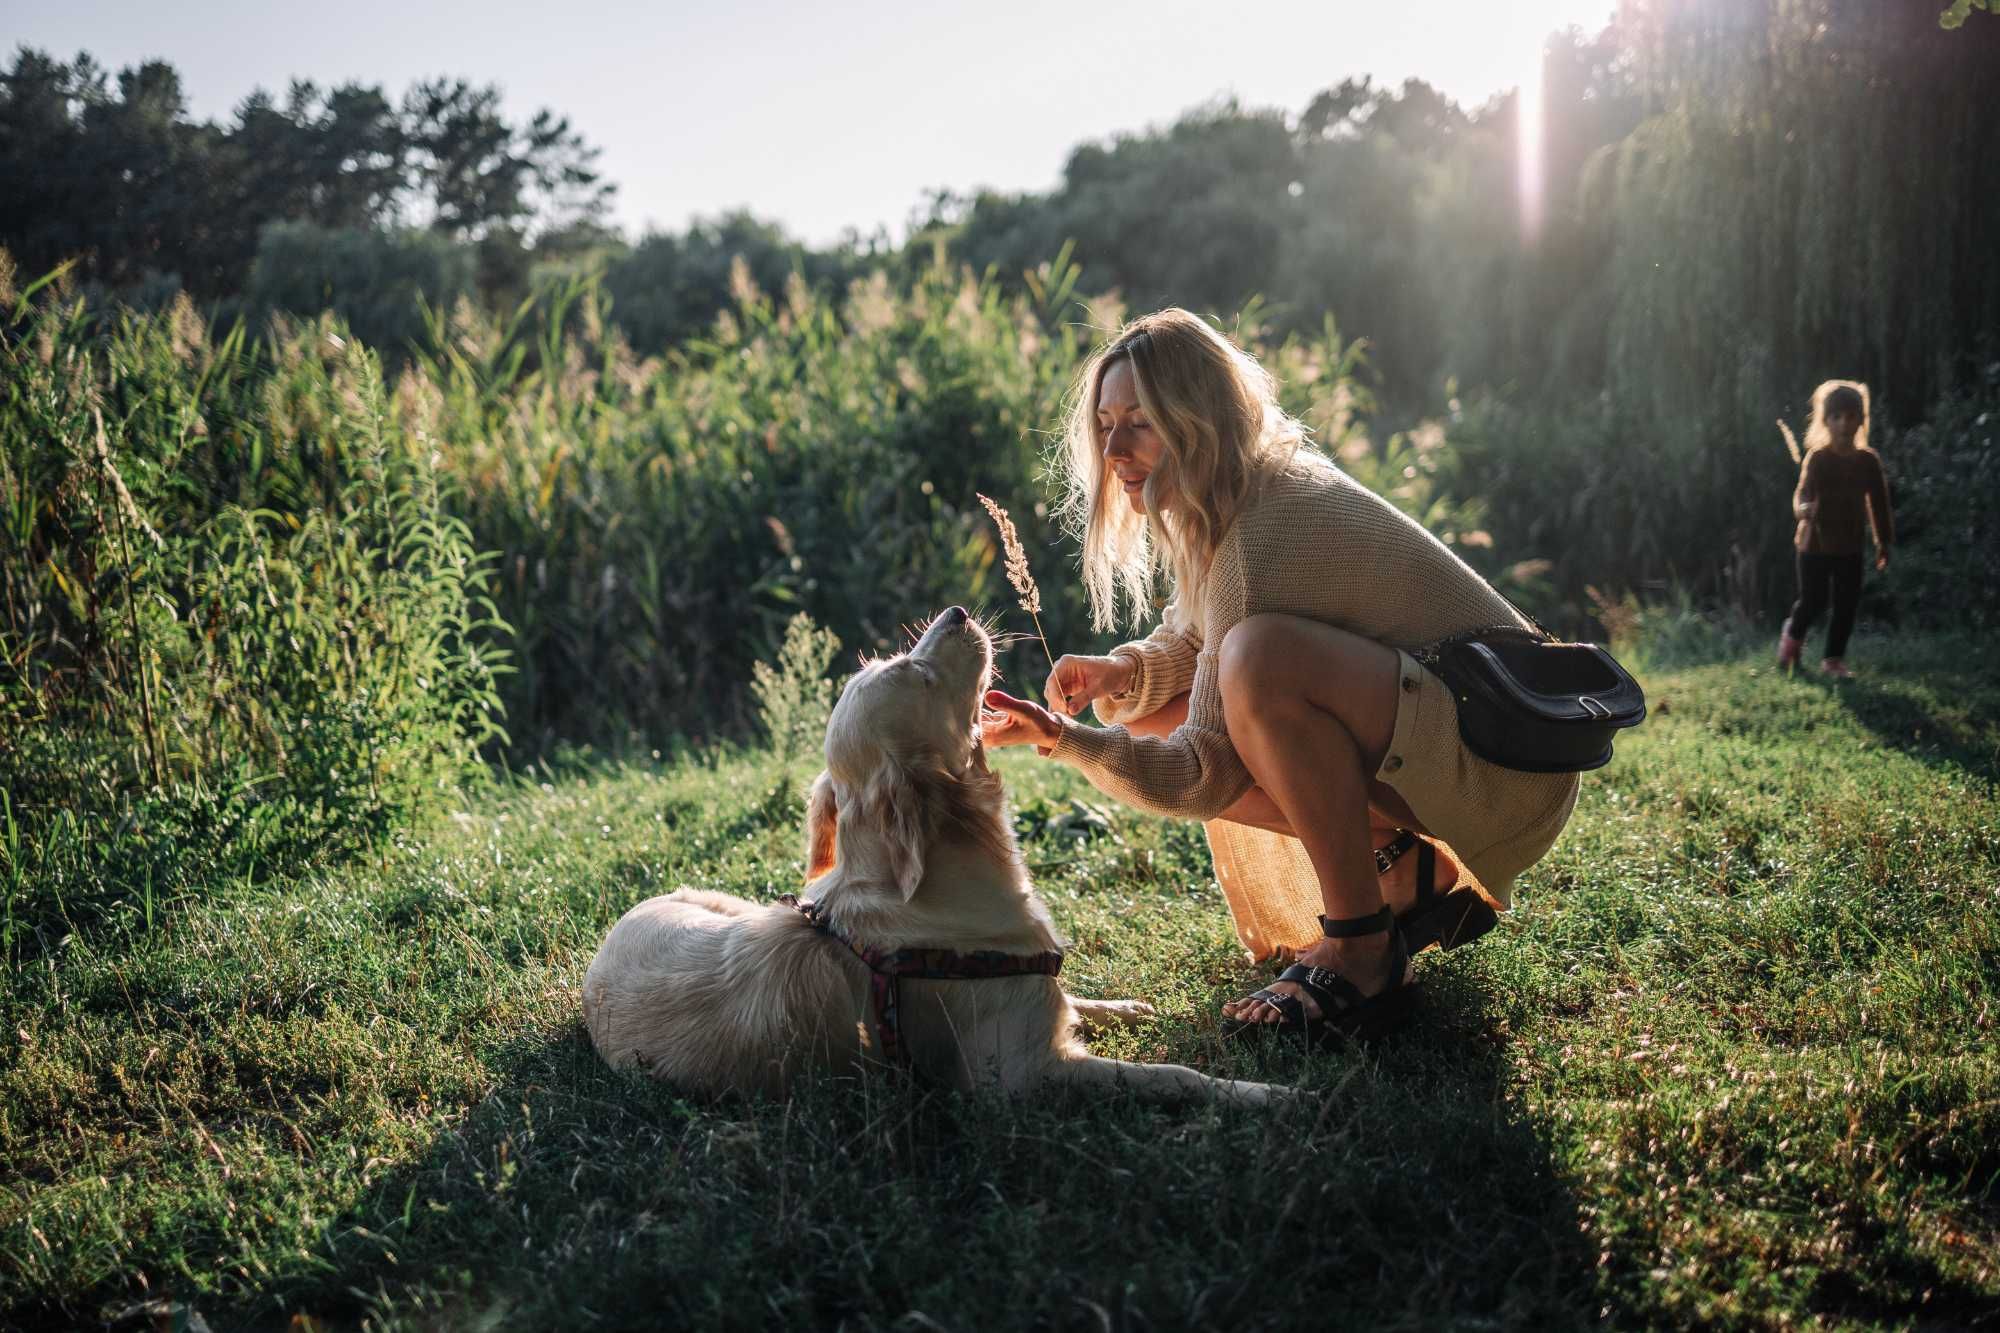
x,y
1311,711
1387,813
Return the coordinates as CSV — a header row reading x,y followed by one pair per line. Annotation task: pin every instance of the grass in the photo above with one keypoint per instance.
x,y
1730,1063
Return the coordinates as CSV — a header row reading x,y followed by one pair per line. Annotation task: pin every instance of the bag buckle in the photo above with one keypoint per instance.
x,y
1594,706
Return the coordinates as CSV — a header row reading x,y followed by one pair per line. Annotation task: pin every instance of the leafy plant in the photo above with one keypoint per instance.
x,y
239,622
795,698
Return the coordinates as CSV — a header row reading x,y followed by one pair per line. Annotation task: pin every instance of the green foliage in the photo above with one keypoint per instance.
x,y
1946,473
659,522
376,282
238,621
1612,502
795,698
669,287
1961,10
1728,1065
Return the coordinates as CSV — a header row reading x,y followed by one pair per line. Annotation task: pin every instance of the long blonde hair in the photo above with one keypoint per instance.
x,y
1221,431
1855,398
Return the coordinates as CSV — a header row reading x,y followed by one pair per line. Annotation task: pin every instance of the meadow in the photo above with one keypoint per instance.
x,y
346,700
1729,1063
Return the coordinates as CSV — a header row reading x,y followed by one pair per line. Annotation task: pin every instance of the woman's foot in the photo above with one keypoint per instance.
x,y
1789,649
1835,667
1366,962
1355,984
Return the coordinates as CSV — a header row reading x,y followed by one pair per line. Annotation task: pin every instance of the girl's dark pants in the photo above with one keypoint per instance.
x,y
1816,572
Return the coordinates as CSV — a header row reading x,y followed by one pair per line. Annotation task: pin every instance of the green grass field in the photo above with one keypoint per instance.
x,y
1730,1063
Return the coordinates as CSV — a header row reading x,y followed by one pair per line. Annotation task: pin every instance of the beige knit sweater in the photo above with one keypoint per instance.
x,y
1314,543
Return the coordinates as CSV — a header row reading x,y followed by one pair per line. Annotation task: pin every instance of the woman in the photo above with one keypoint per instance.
x,y
1279,701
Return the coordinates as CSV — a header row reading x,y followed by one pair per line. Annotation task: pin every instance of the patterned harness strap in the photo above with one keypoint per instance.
x,y
887,968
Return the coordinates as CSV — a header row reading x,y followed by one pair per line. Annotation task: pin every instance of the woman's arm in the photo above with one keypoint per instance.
x,y
1163,665
1193,773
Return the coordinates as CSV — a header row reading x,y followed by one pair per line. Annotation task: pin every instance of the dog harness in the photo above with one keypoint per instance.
x,y
888,967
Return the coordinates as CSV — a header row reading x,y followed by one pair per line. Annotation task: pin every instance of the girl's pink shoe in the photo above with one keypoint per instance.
x,y
1789,649
1835,667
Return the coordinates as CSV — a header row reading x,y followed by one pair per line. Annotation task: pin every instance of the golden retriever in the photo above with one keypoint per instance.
x,y
908,847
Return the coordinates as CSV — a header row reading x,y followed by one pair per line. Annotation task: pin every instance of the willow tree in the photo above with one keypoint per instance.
x,y
1804,200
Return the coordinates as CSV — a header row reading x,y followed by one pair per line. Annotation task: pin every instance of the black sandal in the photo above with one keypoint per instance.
x,y
1458,915
1344,1012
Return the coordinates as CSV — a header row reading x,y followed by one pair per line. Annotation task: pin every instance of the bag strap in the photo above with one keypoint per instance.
x,y
1522,611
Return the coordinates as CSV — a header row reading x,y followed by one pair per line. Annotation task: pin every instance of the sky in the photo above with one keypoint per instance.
x,y
822,116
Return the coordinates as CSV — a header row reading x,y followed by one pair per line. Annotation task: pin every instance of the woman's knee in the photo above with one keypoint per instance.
x,y
1256,663
1271,662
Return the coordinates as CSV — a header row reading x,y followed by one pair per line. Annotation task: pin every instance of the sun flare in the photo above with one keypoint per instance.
x,y
1529,130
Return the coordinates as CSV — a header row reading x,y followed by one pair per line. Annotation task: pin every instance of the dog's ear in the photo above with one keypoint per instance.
x,y
822,818
895,813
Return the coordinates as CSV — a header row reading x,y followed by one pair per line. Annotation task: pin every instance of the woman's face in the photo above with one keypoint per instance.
x,y
1132,446
1841,425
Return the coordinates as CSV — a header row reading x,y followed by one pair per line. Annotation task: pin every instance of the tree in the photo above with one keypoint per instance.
x,y
473,171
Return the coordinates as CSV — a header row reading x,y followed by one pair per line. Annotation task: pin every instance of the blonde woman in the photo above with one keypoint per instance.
x,y
1278,701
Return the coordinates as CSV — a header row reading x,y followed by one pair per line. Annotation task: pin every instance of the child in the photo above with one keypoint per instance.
x,y
1839,478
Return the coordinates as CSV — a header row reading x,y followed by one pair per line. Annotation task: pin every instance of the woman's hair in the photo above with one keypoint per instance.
x,y
1837,396
1216,413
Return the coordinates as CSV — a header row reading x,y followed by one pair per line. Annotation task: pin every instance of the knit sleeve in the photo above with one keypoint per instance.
x,y
1879,512
1162,667
1194,773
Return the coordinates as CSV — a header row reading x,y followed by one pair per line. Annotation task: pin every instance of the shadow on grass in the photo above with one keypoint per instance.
x,y
1409,1190
1950,719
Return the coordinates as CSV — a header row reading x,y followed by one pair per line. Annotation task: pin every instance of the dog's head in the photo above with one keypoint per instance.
x,y
904,761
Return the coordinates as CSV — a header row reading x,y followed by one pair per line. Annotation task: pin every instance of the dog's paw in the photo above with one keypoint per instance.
x,y
1130,1013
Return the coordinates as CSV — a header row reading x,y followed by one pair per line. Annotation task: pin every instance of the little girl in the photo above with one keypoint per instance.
x,y
1840,482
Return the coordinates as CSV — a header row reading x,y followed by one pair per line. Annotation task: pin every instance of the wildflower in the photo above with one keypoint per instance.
x,y
1017,571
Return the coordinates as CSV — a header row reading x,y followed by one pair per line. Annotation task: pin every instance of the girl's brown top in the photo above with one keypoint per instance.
x,y
1851,489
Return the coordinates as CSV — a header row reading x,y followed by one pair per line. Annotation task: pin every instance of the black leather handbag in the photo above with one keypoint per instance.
x,y
1528,702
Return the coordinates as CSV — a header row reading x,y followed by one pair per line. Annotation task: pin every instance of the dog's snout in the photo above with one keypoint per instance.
x,y
953,615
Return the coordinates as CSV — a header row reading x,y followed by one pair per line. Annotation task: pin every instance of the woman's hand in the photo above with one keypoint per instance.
x,y
1881,560
1009,721
1078,680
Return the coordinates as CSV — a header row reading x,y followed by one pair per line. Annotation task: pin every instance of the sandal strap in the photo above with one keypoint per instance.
x,y
1427,861
1391,851
1333,993
1288,1006
1348,927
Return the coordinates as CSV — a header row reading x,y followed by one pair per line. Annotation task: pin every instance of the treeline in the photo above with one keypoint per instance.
x,y
343,198
1737,200
114,172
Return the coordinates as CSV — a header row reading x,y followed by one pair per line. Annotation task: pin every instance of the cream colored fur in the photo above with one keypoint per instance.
x,y
908,845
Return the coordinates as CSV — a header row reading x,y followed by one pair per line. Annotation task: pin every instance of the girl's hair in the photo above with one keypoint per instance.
x,y
1837,396
1221,430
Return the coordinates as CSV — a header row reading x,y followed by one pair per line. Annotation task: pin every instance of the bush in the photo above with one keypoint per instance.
x,y
237,620
377,283
1944,475
1625,504
795,698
